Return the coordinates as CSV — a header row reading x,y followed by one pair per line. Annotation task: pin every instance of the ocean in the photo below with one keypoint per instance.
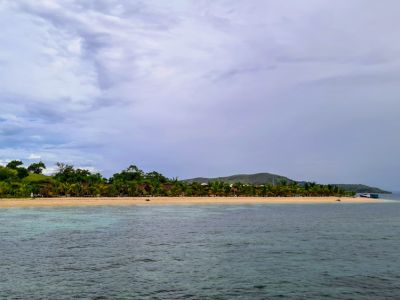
x,y
393,196
288,251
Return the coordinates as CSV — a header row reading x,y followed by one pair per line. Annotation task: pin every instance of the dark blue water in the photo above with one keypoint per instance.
x,y
329,251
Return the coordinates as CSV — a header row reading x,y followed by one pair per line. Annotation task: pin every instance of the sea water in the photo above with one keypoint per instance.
x,y
314,251
393,196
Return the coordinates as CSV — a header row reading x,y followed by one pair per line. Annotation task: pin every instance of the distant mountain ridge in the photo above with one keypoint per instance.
x,y
268,178
258,178
362,188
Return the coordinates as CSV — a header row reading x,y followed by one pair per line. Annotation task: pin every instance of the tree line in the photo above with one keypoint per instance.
x,y
19,181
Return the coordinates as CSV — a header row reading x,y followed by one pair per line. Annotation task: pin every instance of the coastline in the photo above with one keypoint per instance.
x,y
120,201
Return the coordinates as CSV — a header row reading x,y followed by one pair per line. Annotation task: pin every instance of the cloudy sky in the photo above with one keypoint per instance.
x,y
307,89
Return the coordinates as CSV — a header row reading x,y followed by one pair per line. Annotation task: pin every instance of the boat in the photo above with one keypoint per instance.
x,y
370,195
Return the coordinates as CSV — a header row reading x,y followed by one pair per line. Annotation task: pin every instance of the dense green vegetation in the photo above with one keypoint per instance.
x,y
18,181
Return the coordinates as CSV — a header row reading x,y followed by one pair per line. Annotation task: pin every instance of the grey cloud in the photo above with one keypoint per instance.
x,y
362,79
233,73
205,88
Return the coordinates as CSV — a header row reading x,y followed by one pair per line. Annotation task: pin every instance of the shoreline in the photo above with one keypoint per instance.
x,y
150,201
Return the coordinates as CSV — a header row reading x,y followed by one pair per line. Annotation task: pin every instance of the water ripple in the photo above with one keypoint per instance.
x,y
213,252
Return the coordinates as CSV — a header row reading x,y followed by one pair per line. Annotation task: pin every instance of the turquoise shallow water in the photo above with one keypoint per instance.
x,y
328,251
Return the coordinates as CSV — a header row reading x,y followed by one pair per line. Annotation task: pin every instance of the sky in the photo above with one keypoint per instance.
x,y
306,89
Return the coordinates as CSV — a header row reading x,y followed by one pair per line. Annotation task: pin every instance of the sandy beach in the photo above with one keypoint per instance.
x,y
53,202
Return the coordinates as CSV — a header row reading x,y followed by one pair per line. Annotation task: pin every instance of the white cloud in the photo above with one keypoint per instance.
x,y
37,65
202,87
33,156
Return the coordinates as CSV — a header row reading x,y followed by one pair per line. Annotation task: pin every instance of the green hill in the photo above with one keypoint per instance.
x,y
361,188
268,178
259,178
